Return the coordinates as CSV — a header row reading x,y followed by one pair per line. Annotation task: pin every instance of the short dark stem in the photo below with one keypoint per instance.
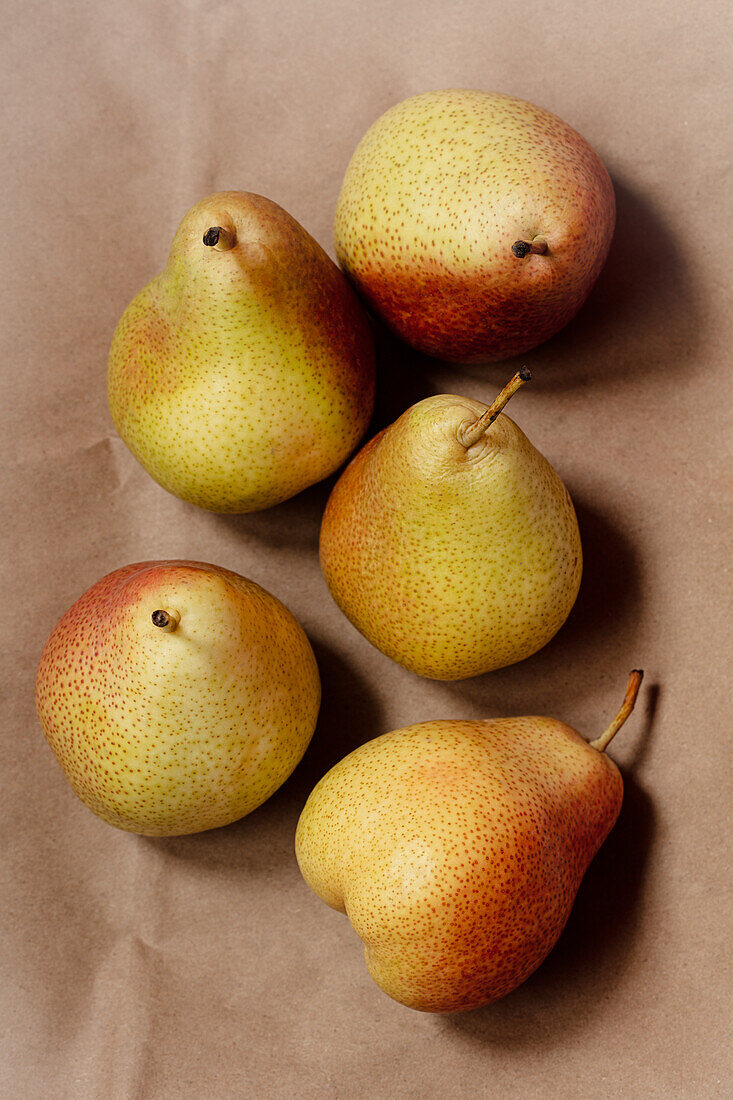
x,y
632,690
473,432
537,246
166,620
219,238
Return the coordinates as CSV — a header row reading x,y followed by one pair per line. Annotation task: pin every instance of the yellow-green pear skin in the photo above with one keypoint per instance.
x,y
475,224
244,372
456,849
452,560
185,725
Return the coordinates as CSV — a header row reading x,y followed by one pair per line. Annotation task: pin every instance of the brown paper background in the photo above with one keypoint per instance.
x,y
202,966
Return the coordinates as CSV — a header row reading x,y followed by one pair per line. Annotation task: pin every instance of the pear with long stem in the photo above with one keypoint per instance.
x,y
450,542
456,849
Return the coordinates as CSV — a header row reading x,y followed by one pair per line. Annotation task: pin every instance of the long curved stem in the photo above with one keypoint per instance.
x,y
473,432
632,690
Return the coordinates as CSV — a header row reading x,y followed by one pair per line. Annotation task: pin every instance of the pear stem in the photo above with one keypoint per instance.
x,y
219,238
473,432
166,620
632,690
537,246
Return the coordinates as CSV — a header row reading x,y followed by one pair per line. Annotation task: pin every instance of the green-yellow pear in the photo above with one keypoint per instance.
x,y
450,542
475,224
177,696
244,372
456,849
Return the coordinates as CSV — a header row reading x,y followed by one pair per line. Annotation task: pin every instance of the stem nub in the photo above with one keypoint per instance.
x,y
537,246
473,432
219,238
166,620
632,690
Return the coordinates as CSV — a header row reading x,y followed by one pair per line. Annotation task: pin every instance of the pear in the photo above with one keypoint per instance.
x,y
177,696
456,849
450,542
244,372
474,224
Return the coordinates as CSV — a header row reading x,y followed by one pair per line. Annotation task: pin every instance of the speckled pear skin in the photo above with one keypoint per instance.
x,y
436,194
240,377
452,561
172,733
456,850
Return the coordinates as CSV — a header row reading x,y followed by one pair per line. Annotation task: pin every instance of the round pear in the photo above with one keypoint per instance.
x,y
474,224
177,696
450,542
456,849
244,372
